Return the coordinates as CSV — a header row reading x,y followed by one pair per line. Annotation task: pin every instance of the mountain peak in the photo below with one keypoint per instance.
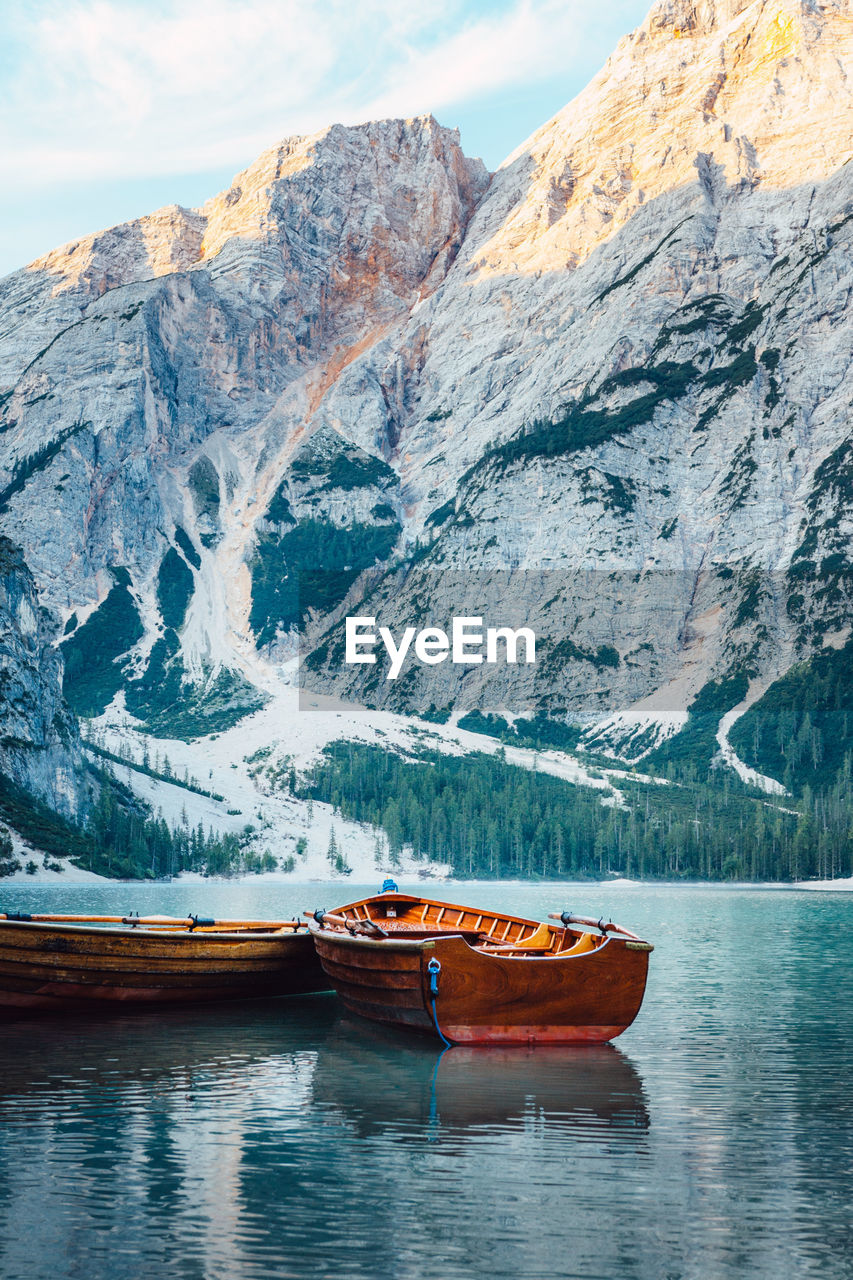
x,y
415,153
685,19
412,151
722,96
689,18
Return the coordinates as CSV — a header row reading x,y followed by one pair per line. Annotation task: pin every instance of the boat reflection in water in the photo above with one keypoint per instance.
x,y
130,1054
385,1082
379,1080
249,1136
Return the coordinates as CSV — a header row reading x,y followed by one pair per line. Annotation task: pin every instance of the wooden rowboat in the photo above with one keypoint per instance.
x,y
480,977
72,962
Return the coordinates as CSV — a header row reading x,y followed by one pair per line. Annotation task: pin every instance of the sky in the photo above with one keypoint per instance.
x,y
113,108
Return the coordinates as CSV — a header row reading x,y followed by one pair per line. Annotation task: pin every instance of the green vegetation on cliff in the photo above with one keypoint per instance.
x,y
203,482
173,706
174,588
801,730
311,567
351,468
586,423
93,672
27,467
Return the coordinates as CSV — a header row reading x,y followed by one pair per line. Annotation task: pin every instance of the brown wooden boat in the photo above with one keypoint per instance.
x,y
71,962
482,977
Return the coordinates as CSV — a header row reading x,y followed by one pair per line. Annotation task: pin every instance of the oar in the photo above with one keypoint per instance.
x,y
605,926
352,926
58,919
199,924
322,916
162,922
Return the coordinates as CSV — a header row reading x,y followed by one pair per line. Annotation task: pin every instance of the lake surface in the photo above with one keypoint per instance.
x,y
713,1140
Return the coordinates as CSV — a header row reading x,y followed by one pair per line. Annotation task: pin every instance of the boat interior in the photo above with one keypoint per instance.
x,y
491,933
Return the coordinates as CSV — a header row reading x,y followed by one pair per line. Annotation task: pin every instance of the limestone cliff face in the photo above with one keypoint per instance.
x,y
626,354
39,743
159,374
726,98
703,170
639,368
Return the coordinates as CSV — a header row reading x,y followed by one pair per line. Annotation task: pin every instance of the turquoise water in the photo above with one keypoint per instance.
x,y
714,1139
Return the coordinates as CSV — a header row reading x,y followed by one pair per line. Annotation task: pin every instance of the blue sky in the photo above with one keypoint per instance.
x,y
115,107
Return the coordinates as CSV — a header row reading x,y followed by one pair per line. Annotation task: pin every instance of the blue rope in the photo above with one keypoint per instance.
x,y
434,969
448,1044
434,1122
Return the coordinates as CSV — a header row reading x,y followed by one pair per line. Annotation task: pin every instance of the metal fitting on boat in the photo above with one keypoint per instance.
x,y
200,922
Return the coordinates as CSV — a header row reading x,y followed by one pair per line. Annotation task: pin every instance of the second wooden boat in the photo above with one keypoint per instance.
x,y
72,962
482,977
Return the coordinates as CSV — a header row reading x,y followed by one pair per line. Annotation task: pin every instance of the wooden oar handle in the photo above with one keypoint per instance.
x,y
604,926
352,926
322,916
156,922
55,919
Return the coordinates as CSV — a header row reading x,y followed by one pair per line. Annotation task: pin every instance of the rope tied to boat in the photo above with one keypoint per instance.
x,y
434,969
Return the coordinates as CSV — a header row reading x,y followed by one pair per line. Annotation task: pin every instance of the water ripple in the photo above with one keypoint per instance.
x,y
715,1140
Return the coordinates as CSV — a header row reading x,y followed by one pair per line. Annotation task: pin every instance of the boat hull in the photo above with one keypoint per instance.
x,y
70,967
484,998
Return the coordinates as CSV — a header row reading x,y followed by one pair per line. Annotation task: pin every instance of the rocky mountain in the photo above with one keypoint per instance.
x,y
39,740
639,365
158,378
604,391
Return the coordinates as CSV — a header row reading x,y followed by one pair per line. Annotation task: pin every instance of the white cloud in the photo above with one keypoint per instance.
x,y
119,88
531,40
